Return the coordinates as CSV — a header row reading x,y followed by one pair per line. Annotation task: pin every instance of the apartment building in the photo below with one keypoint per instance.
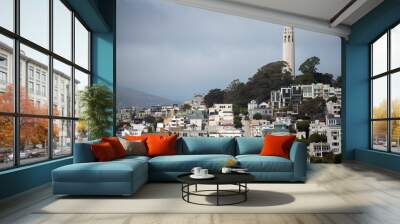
x,y
263,108
220,115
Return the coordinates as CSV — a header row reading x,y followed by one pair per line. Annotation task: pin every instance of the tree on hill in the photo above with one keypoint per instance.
x,y
236,93
310,65
186,107
315,137
269,77
311,75
338,82
257,116
313,108
303,125
214,96
237,121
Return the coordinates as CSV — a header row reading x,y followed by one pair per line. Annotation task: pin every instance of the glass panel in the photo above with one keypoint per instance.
x,y
62,89
34,97
81,82
35,21
81,131
395,94
62,29
379,56
395,47
6,74
6,142
33,140
7,14
62,138
379,97
395,136
81,45
379,135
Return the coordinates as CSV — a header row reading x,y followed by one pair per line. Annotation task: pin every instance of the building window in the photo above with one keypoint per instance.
x,y
56,126
3,78
385,97
30,87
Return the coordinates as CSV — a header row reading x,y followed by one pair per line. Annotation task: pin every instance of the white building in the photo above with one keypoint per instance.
x,y
196,120
254,127
224,132
138,129
324,91
126,114
331,129
333,108
263,108
197,103
319,149
220,115
288,48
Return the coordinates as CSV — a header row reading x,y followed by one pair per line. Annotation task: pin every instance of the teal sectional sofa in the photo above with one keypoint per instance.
x,y
125,176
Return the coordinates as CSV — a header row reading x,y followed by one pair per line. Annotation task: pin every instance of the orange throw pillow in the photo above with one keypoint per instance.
x,y
135,138
277,145
161,145
103,152
116,145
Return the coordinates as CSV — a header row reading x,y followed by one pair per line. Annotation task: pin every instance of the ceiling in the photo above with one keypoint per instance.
x,y
326,16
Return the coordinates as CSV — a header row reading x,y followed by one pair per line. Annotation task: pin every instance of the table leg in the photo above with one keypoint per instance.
x,y
217,194
245,193
195,188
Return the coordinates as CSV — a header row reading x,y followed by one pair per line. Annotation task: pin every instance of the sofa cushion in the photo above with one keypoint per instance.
x,y
116,145
134,147
257,163
159,145
248,145
103,152
185,163
277,145
207,145
112,171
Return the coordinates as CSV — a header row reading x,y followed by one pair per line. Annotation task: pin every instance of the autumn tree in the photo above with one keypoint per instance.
x,y
33,131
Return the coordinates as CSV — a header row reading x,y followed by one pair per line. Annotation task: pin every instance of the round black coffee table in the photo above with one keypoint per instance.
x,y
238,179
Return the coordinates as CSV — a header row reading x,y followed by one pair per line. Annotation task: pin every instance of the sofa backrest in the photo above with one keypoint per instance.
x,y
206,145
83,152
249,145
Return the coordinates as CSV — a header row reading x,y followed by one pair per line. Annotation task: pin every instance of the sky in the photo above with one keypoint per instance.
x,y
176,51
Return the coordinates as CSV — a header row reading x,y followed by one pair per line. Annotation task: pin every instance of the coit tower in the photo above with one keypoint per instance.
x,y
288,48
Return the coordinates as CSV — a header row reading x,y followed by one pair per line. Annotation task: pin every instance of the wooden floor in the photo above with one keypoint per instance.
x,y
378,189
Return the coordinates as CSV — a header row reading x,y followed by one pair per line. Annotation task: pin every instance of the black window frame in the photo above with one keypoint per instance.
x,y
388,74
16,115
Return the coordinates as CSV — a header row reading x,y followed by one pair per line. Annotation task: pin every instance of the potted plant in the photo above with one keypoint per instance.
x,y
96,103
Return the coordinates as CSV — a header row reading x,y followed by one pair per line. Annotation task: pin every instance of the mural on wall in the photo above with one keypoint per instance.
x,y
217,75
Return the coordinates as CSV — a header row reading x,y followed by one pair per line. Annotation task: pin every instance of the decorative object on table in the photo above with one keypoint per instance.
x,y
96,102
239,195
200,173
231,163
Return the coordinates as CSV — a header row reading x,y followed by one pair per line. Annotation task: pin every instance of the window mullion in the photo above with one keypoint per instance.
x,y
16,69
389,100
50,81
73,81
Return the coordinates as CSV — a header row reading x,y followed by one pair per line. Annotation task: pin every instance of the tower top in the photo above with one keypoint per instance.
x,y
288,34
